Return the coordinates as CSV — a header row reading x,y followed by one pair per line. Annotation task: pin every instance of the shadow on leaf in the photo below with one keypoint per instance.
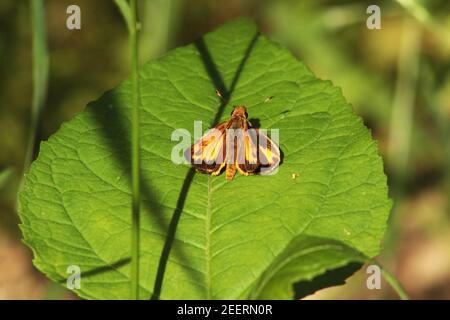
x,y
328,279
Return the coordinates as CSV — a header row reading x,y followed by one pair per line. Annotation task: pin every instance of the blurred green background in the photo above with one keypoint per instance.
x,y
396,78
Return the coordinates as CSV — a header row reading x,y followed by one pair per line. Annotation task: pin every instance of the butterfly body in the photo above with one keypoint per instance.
x,y
235,145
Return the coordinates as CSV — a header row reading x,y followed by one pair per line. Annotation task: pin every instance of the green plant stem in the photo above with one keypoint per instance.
x,y
129,13
135,153
421,14
401,123
159,25
40,75
5,176
125,10
393,282
403,104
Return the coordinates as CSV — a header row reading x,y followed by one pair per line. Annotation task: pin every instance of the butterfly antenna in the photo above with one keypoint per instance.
x,y
219,94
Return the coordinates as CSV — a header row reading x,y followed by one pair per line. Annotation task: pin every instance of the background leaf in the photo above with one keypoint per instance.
x,y
204,237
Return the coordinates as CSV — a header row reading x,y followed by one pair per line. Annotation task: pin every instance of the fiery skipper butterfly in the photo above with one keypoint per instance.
x,y
236,146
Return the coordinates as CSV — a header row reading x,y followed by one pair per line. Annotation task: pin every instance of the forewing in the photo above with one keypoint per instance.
x,y
208,153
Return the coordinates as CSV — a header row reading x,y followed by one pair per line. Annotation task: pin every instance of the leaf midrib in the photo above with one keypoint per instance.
x,y
208,240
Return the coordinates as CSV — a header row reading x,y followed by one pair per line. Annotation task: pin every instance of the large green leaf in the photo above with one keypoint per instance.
x,y
204,237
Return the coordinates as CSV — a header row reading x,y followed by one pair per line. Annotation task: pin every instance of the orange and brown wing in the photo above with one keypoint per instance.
x,y
247,161
259,153
208,154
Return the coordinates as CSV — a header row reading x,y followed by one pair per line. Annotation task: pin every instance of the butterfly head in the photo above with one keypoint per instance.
x,y
239,111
